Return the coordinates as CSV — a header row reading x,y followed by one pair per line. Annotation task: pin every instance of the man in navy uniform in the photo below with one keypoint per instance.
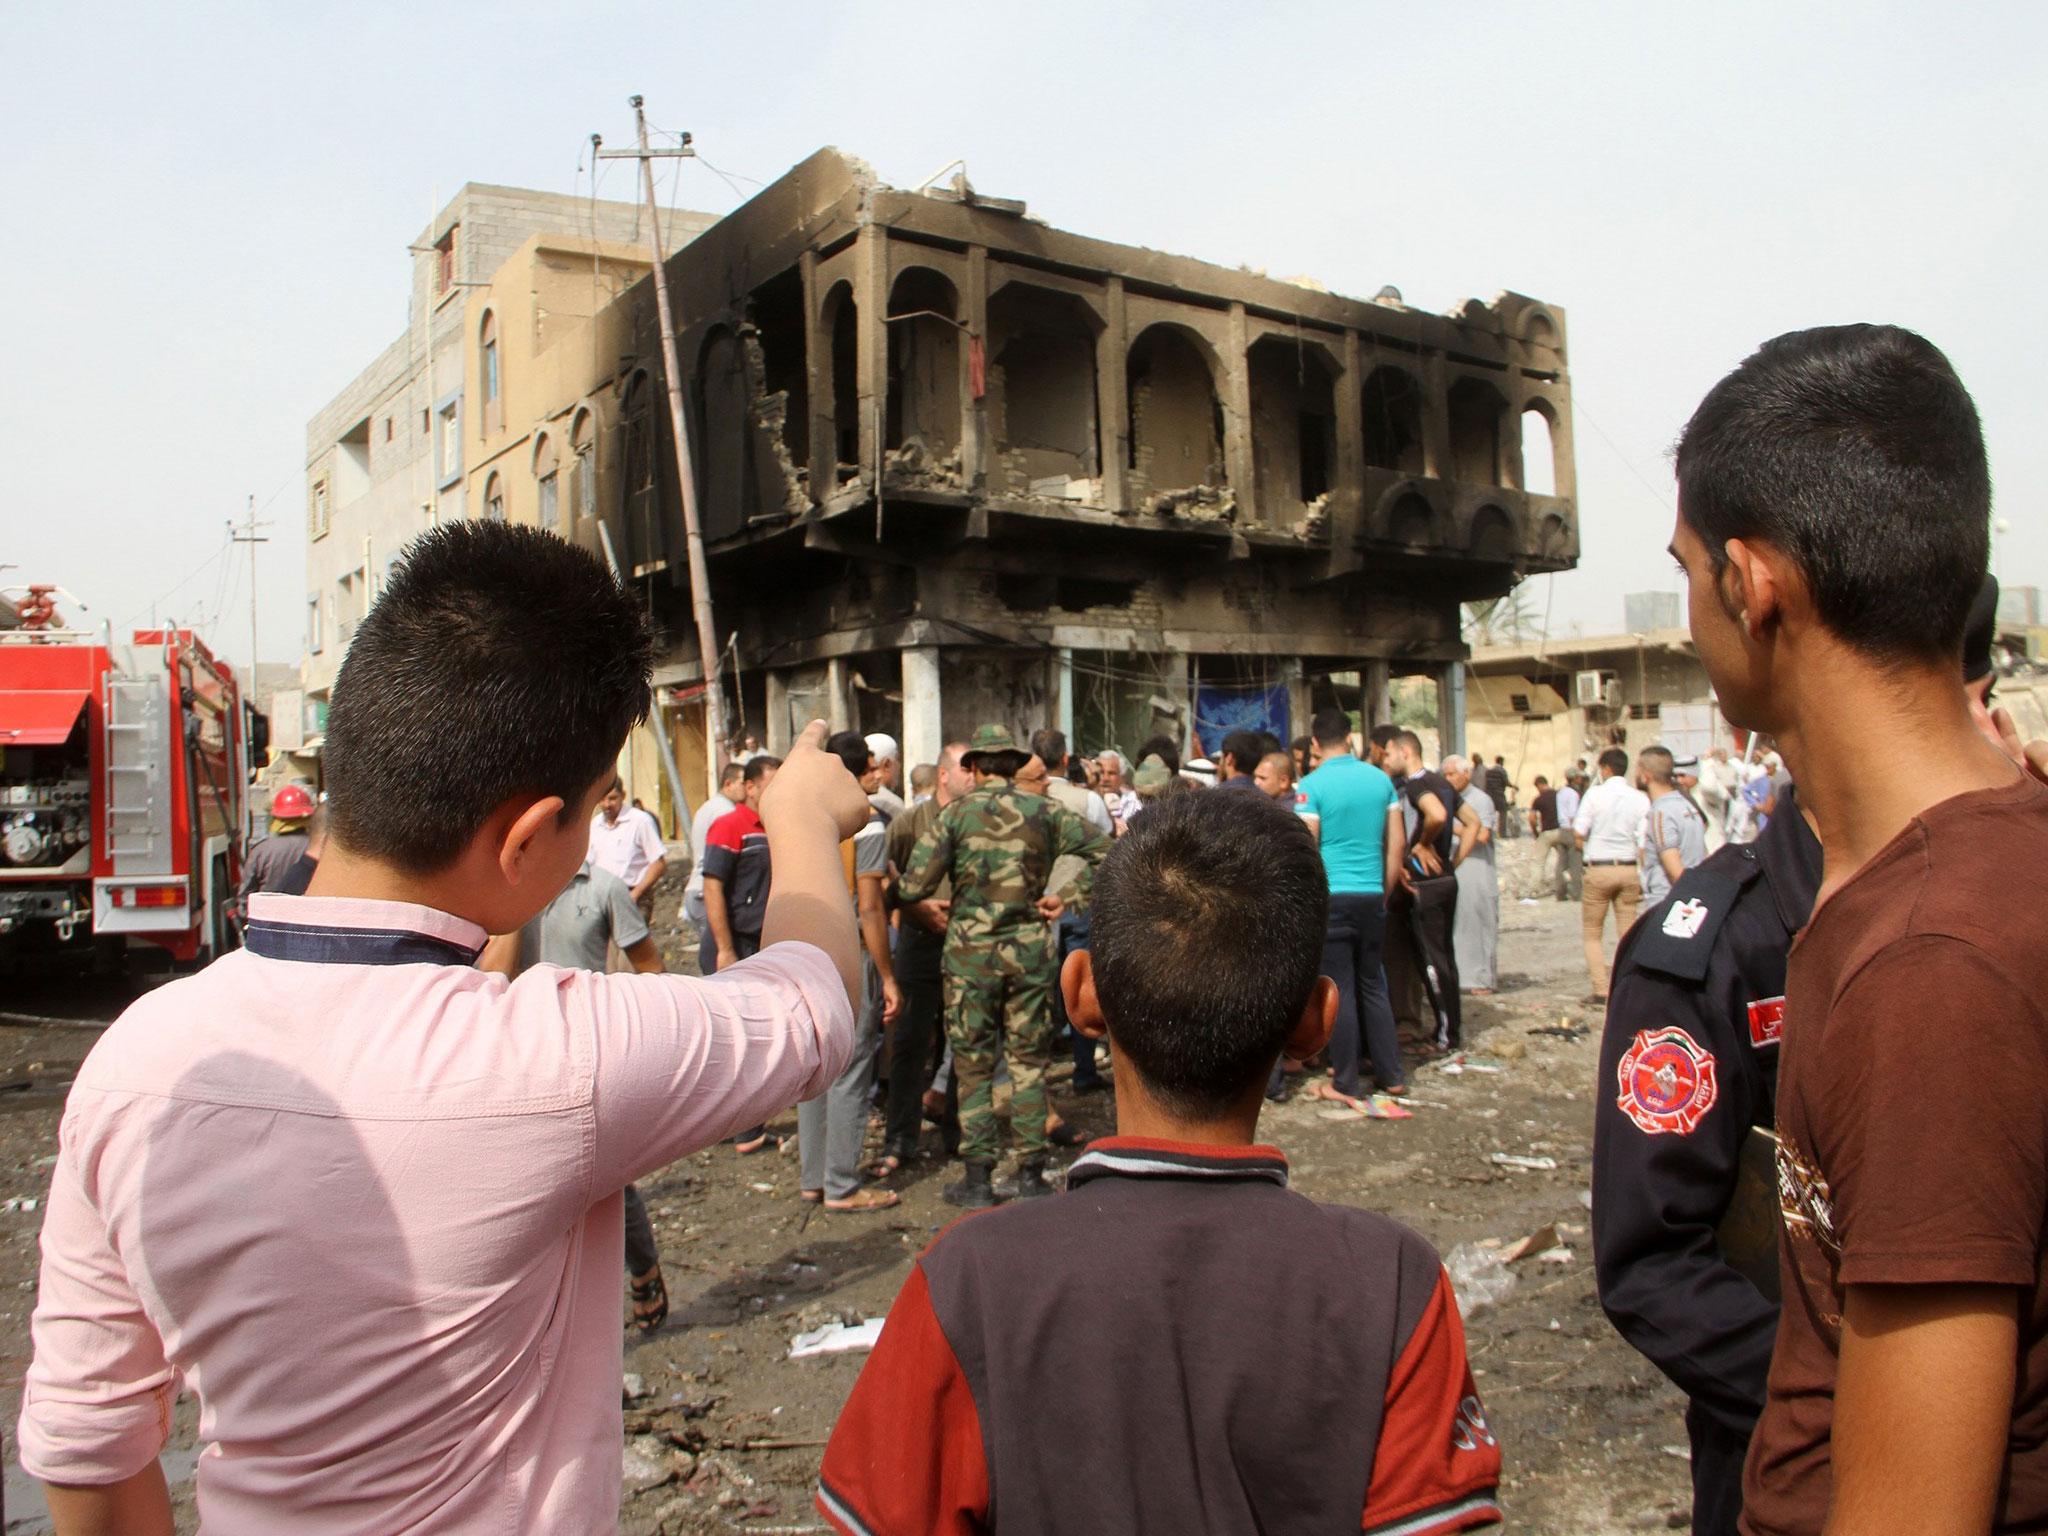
x,y
1688,1069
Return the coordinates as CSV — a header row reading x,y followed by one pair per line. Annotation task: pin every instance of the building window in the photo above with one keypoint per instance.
x,y
448,442
487,342
387,429
1645,711
582,468
544,474
494,499
317,514
316,640
444,261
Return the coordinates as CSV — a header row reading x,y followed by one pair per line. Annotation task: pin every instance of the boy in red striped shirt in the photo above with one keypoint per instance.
x,y
1177,1343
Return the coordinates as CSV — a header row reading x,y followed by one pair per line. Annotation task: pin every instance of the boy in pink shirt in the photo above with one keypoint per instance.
x,y
363,1199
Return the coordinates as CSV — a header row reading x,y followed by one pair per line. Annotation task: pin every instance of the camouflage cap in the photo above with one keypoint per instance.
x,y
988,738
1152,774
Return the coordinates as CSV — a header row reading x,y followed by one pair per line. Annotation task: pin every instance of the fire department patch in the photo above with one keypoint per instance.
x,y
1667,1082
1766,1021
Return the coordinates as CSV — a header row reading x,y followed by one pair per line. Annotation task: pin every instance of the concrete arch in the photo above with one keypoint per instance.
x,y
1042,385
726,490
1493,533
839,319
1293,388
1412,512
1176,410
924,362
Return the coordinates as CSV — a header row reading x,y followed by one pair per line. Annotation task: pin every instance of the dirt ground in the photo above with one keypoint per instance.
x,y
728,1431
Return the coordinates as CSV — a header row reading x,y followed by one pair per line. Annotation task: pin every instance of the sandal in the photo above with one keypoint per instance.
x,y
1321,1090
810,1196
765,1142
864,1201
650,1299
885,1166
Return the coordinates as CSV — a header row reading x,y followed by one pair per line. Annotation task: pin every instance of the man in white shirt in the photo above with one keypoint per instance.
x,y
625,843
1609,822
888,760
731,786
1121,800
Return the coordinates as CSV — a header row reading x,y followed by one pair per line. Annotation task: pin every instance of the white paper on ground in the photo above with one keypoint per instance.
x,y
835,1339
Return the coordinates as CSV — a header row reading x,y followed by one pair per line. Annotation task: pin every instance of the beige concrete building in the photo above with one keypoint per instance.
x,y
1546,707
502,279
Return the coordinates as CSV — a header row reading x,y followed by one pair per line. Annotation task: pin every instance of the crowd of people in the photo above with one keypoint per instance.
x,y
365,1187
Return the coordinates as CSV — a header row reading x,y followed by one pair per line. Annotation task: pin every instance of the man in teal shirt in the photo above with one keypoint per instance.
x,y
1355,812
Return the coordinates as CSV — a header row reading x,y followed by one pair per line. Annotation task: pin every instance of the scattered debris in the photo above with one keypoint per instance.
x,y
633,1387
1479,1278
20,1203
1516,1160
1198,504
1536,1242
835,1339
1380,1106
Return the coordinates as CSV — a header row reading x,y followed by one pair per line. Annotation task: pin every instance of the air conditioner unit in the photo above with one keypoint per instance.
x,y
1586,690
1611,691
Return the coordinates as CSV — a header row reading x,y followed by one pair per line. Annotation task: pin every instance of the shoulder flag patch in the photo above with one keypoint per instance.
x,y
1766,1021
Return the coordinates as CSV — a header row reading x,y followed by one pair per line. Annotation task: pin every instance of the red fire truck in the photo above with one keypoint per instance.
x,y
123,789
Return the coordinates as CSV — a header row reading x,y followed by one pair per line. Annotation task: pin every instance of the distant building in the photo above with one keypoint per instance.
x,y
506,288
1546,707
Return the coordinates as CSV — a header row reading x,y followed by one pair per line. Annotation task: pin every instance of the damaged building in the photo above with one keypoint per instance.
x,y
953,465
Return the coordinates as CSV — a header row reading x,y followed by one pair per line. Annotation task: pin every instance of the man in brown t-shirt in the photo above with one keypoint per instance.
x,y
1833,506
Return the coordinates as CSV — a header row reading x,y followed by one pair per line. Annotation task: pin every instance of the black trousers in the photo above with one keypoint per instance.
x,y
1431,913
1351,958
1717,1456
915,1045
641,1254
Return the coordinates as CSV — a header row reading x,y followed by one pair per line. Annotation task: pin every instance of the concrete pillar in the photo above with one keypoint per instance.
x,y
1300,708
871,287
924,733
817,386
973,412
775,738
1063,695
839,713
1374,675
1450,708
1236,389
1112,397
1436,417
1347,505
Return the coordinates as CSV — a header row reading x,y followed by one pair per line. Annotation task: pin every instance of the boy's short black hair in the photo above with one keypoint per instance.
x,y
1615,761
1244,749
1330,727
1004,765
730,773
1385,734
1207,940
1413,743
758,768
1856,451
851,748
500,661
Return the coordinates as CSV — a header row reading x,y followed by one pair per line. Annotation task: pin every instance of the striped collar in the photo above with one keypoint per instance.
x,y
335,930
1142,1157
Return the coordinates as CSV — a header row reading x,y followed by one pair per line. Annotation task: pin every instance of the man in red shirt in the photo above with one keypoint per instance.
x,y
1834,501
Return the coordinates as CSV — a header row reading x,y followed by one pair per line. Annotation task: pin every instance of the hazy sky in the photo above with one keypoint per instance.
x,y
207,208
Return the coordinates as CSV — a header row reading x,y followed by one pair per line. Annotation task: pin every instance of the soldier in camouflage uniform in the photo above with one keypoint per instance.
x,y
999,846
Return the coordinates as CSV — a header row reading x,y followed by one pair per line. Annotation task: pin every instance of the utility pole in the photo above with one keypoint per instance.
x,y
693,537
248,535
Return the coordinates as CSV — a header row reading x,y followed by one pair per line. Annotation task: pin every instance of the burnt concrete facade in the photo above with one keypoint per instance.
x,y
954,465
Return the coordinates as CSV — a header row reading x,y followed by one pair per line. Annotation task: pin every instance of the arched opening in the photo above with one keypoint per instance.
x,y
1294,426
924,363
582,465
1412,522
1042,404
1539,453
1539,329
494,497
1391,409
727,492
778,315
637,473
546,480
1476,409
842,319
1556,539
491,381
1176,420
1493,535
